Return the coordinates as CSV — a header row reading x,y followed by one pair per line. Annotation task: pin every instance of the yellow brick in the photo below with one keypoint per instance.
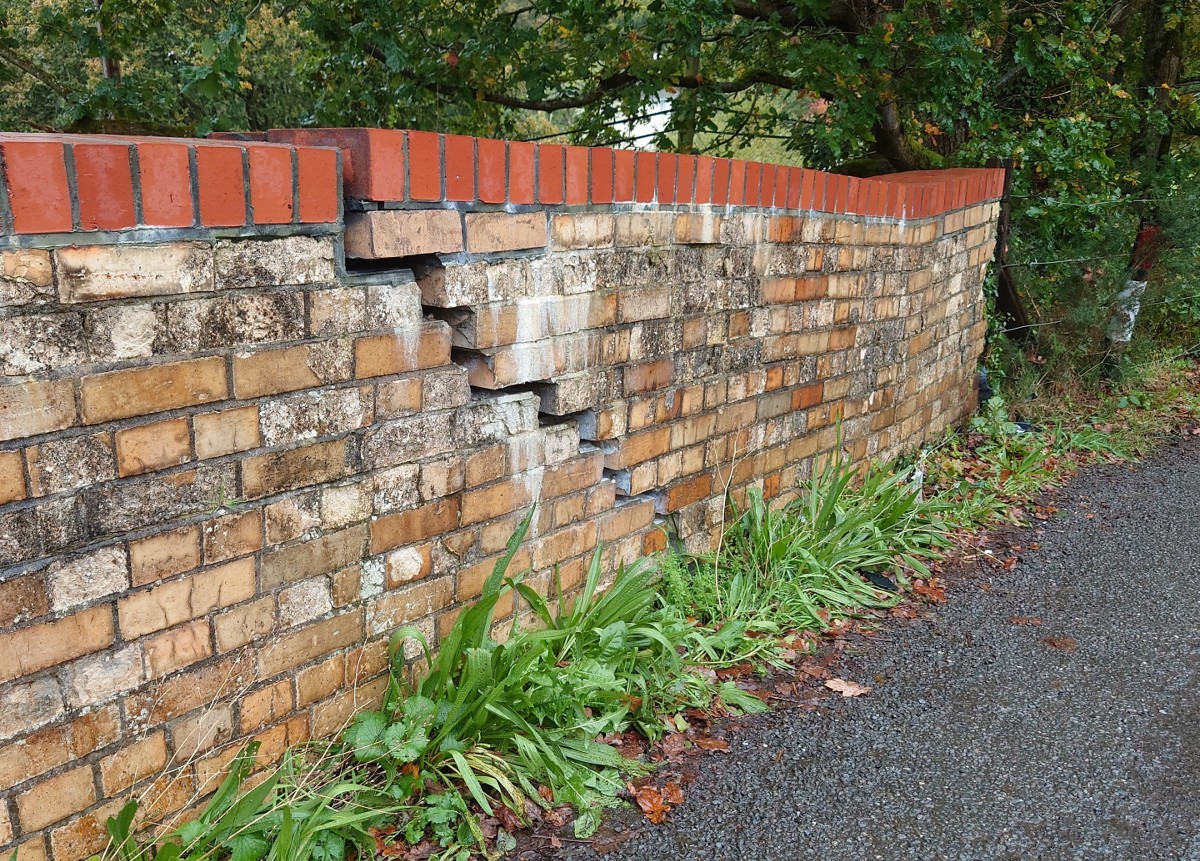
x,y
403,351
142,391
244,623
185,599
177,648
12,477
270,372
55,799
164,554
132,763
27,650
36,408
154,446
226,431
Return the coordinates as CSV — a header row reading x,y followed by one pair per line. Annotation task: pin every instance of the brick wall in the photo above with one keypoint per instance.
x,y
263,400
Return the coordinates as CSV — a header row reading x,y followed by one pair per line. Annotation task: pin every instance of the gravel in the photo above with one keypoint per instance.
x,y
980,741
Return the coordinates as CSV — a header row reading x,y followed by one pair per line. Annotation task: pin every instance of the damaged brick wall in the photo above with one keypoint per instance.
x,y
266,398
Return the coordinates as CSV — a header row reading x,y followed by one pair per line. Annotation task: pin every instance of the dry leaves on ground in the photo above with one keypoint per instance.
x,y
847,688
1063,644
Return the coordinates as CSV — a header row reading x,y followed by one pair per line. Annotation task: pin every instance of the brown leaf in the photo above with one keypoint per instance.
x,y
847,688
710,743
673,746
672,793
931,590
560,816
607,840
1025,620
651,801
1063,644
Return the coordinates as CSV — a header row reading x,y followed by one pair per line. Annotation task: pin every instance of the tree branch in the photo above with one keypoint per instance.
x,y
17,61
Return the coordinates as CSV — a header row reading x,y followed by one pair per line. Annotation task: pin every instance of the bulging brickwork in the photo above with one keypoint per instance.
x,y
262,401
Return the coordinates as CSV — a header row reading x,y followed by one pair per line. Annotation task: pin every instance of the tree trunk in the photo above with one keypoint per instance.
x,y
110,67
1162,63
1008,300
686,109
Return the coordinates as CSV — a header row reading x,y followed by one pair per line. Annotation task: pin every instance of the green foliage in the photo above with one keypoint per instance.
x,y
801,566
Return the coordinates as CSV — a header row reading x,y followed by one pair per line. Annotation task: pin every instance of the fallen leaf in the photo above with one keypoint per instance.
x,y
652,803
672,793
1025,620
560,816
607,840
847,688
709,743
673,745
1063,644
1010,564
931,590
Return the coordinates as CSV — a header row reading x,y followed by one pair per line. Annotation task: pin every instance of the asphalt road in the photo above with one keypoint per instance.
x,y
979,740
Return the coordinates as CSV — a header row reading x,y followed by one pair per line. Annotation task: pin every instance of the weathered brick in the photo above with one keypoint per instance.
x,y
187,598
154,446
200,732
298,467
30,705
69,464
227,431
306,644
84,579
271,372
37,343
244,623
503,231
132,763
91,273
410,527
402,351
164,555
323,555
29,409
49,748
495,501
99,678
289,260
400,233
407,564
27,650
233,535
142,391
55,799
304,602
26,276
409,604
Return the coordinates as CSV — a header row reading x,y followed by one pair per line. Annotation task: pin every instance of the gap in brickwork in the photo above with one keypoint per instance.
x,y
420,265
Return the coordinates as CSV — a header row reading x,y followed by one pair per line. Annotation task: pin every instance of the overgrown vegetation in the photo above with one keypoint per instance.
x,y
512,723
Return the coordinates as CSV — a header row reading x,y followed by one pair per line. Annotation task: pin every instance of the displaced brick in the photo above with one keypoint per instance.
x,y
403,233
502,231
